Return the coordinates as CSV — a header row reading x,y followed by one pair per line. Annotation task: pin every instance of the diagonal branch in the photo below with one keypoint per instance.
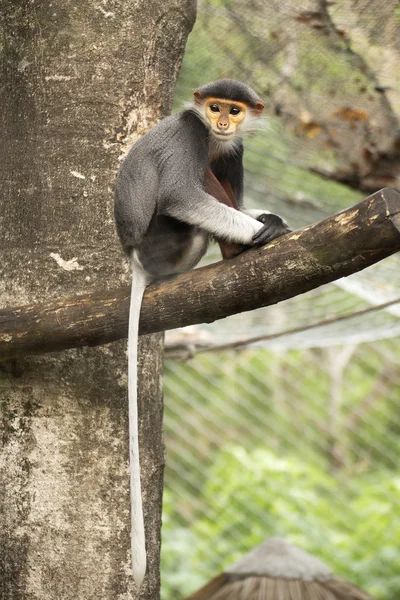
x,y
296,263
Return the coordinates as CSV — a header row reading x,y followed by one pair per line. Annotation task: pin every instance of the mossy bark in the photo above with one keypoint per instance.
x,y
79,81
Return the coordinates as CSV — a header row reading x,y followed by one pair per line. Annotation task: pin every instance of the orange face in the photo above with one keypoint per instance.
x,y
227,118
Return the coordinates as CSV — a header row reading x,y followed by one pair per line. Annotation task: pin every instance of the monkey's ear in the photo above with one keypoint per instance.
x,y
198,98
258,107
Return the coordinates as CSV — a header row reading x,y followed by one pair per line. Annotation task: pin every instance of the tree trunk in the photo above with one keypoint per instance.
x,y
79,80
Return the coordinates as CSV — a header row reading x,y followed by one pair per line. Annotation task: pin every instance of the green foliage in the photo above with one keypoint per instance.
x,y
252,450
247,434
252,495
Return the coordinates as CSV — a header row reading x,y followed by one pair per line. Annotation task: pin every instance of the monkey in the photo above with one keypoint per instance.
x,y
179,185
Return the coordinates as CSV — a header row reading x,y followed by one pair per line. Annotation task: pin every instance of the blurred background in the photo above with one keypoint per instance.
x,y
297,435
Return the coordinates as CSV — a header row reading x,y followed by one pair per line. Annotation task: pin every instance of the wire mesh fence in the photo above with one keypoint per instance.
x,y
295,431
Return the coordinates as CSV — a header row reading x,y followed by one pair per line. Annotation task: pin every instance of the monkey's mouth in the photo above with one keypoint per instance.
x,y
221,134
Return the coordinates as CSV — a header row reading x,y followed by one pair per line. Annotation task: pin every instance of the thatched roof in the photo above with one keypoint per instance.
x,y
276,570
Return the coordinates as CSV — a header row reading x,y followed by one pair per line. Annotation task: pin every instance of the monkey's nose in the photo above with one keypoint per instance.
x,y
223,125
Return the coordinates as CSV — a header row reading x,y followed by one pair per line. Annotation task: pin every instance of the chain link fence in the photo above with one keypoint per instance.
x,y
295,431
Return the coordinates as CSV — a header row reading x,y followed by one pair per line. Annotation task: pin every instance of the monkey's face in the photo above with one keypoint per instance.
x,y
225,117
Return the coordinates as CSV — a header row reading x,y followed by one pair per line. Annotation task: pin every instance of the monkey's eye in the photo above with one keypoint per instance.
x,y
235,111
214,108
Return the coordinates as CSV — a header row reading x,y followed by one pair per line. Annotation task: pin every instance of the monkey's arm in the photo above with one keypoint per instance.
x,y
195,206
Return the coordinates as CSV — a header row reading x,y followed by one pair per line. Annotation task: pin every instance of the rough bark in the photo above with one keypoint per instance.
x,y
338,246
78,82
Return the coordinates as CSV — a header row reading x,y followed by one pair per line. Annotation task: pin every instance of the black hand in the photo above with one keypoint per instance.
x,y
274,226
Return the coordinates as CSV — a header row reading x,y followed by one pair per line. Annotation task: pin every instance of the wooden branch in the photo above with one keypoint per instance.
x,y
293,264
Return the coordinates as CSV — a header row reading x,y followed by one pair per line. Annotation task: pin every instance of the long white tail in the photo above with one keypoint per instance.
x,y
138,544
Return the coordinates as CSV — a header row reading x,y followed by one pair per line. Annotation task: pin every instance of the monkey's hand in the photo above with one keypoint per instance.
x,y
274,226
